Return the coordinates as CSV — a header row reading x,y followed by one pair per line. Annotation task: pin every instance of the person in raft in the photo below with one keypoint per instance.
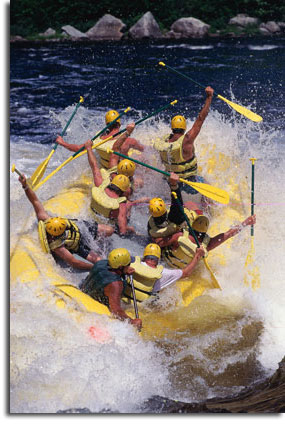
x,y
107,282
110,195
63,237
102,150
177,151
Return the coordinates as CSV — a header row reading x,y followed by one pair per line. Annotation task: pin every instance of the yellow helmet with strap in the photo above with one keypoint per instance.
x,y
55,226
178,122
126,167
121,181
119,257
157,207
152,249
111,115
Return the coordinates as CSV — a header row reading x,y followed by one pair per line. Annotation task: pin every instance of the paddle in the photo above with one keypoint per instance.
x,y
215,282
240,109
39,172
207,190
14,169
82,151
253,270
134,297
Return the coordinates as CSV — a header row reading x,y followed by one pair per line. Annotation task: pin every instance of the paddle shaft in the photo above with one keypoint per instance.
x,y
134,296
252,193
14,169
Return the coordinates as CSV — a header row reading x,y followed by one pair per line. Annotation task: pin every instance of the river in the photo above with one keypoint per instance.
x,y
233,339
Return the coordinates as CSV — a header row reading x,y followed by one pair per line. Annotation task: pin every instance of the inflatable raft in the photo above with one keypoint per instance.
x,y
30,265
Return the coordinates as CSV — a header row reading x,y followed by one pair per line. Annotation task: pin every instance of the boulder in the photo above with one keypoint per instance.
x,y
281,26
243,20
73,32
271,27
107,28
15,38
190,28
48,33
145,27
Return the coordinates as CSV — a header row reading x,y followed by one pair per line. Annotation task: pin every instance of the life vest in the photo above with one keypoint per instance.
x,y
101,203
181,256
144,279
102,151
171,155
167,228
69,239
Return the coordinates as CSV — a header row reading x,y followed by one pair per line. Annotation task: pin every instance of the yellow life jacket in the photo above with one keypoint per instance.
x,y
102,151
167,228
180,257
144,279
101,203
171,155
69,239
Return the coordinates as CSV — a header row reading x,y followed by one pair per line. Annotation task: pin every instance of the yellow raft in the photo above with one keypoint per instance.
x,y
30,265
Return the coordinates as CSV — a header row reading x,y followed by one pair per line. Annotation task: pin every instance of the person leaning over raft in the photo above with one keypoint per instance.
x,y
102,150
163,223
107,282
109,196
62,237
177,151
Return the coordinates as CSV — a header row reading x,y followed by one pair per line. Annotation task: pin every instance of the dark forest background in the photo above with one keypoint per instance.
x,y
29,17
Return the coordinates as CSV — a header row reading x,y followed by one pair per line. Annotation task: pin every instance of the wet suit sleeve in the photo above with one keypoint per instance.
x,y
175,215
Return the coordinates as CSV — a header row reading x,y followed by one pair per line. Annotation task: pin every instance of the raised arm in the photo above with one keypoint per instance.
x,y
37,205
221,238
191,135
117,146
97,177
71,147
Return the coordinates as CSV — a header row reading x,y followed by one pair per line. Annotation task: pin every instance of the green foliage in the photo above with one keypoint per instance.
x,y
34,16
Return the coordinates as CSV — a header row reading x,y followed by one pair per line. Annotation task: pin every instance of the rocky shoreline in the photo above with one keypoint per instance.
x,y
110,28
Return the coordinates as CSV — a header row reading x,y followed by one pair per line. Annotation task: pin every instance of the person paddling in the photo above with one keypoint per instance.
x,y
129,142
63,237
177,151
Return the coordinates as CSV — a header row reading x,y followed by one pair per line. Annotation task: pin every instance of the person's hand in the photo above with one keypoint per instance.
x,y
131,229
129,270
173,179
200,252
23,181
88,144
59,140
251,220
137,323
130,128
209,91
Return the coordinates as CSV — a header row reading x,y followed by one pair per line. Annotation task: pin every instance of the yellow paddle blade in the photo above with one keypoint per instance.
x,y
252,276
207,190
242,110
216,285
53,172
41,169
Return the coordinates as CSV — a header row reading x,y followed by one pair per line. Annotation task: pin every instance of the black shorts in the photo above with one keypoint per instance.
x,y
84,246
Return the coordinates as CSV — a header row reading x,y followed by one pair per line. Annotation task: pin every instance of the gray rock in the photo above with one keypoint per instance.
x,y
281,26
145,27
190,28
270,26
73,32
107,28
243,20
173,34
49,32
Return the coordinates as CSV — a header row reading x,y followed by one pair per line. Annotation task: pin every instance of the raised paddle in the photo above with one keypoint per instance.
x,y
39,172
252,270
14,169
207,190
215,282
83,151
79,152
240,109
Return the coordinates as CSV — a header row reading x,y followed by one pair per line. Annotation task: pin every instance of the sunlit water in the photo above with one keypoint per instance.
x,y
223,341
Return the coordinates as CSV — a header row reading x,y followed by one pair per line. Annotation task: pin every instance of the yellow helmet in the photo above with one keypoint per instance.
x,y
111,115
152,249
121,181
157,207
199,223
178,122
119,257
55,226
126,167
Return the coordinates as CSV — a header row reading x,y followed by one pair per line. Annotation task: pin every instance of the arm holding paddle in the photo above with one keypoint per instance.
x,y
31,195
119,143
221,238
97,177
